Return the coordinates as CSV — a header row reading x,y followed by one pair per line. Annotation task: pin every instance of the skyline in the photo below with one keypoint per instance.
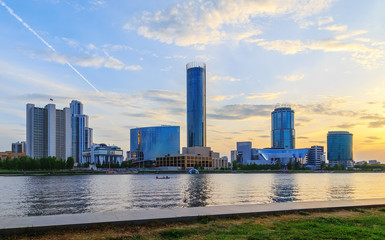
x,y
324,58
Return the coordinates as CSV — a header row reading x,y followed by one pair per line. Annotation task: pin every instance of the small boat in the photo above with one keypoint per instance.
x,y
164,177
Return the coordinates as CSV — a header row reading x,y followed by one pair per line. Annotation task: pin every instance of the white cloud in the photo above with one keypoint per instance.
x,y
223,78
325,20
266,96
365,55
198,23
88,61
292,78
351,34
335,28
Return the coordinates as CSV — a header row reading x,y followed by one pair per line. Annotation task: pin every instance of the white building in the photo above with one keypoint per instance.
x,y
48,132
103,154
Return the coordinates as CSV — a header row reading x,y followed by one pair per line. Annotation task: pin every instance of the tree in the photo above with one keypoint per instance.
x,y
235,165
70,163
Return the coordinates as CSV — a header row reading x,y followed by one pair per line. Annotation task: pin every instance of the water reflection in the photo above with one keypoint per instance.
x,y
284,188
197,193
45,195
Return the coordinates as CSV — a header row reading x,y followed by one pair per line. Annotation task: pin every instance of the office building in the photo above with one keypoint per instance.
x,y
18,147
316,156
103,154
48,132
282,128
191,157
268,156
148,143
196,104
340,148
82,134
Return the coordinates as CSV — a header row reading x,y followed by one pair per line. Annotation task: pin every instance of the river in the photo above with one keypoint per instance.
x,y
47,195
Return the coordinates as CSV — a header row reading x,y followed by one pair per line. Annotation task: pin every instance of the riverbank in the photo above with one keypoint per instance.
x,y
123,171
355,223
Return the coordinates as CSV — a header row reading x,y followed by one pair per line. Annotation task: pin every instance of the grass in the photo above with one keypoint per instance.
x,y
355,223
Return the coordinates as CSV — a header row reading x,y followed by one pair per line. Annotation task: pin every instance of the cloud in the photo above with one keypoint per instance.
x,y
87,61
346,125
222,98
240,112
264,136
373,138
303,119
266,96
325,20
301,137
335,28
351,34
367,56
198,23
292,78
223,78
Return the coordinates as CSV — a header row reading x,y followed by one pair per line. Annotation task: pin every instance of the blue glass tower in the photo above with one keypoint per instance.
x,y
147,143
196,104
282,128
340,148
81,133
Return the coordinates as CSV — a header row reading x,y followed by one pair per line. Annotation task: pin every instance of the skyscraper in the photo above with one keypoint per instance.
x,y
315,157
196,104
340,148
282,128
148,143
48,132
81,133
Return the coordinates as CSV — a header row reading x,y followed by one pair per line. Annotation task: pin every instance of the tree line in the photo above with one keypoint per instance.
x,y
45,163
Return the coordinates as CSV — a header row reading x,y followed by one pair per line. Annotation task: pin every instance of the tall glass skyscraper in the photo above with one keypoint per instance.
x,y
282,128
340,148
196,104
81,133
148,143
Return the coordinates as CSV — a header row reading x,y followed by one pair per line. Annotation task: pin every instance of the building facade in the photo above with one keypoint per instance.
x,y
10,155
268,156
18,147
82,134
282,128
340,148
48,132
148,143
196,104
103,154
316,156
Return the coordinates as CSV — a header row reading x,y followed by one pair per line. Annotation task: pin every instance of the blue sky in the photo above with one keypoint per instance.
x,y
324,58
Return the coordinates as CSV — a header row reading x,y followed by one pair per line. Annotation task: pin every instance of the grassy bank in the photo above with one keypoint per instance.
x,y
334,224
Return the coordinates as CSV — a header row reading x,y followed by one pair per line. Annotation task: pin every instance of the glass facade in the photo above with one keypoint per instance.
x,y
282,128
196,104
148,143
340,148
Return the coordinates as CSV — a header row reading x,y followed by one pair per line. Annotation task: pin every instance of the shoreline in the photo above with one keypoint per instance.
x,y
154,172
21,225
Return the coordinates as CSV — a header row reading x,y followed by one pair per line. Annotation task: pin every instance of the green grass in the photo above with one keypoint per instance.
x,y
356,223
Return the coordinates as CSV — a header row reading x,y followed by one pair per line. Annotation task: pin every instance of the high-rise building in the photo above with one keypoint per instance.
x,y
48,132
315,157
282,128
340,148
148,143
196,104
18,147
81,133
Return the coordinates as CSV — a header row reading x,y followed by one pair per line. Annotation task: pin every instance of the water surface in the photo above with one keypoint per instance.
x,y
46,195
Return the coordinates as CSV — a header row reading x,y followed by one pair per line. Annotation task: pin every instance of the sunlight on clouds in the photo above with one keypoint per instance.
x,y
266,96
335,28
223,78
292,78
325,20
198,23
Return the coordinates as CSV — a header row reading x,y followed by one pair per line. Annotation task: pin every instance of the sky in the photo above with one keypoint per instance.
x,y
126,62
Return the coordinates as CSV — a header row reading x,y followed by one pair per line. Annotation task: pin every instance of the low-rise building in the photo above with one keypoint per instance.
x,y
219,163
103,154
191,157
10,155
373,162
